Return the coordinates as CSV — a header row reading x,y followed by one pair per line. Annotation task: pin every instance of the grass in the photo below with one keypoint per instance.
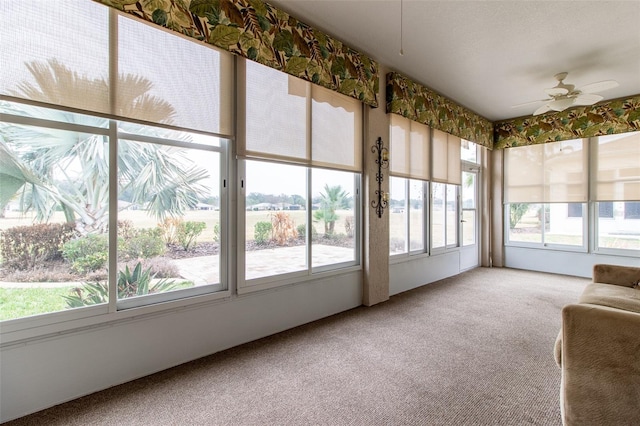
x,y
22,302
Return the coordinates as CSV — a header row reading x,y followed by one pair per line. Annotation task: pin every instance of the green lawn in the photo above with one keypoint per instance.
x,y
21,302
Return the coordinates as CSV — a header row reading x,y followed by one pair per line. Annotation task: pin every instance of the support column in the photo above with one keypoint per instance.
x,y
375,229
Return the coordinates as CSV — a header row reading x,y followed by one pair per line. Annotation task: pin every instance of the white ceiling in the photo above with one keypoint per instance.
x,y
489,55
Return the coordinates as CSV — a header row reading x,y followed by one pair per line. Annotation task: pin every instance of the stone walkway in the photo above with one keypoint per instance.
x,y
260,263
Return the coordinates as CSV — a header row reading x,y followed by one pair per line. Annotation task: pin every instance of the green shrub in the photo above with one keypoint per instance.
x,y
188,232
262,232
87,254
142,244
302,232
136,282
23,247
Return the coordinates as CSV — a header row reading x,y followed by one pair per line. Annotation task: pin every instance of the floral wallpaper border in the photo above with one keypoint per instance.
x,y
260,32
606,118
418,103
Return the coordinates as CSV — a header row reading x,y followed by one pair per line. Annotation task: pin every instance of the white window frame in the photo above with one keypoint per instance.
x,y
115,310
245,286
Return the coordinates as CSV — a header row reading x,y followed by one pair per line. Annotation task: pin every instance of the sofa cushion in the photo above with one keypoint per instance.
x,y
613,296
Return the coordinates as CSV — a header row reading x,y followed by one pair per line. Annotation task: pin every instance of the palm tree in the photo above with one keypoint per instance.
x,y
51,169
331,199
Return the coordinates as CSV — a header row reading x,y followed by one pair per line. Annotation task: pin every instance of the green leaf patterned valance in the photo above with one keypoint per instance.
x,y
418,103
260,32
606,118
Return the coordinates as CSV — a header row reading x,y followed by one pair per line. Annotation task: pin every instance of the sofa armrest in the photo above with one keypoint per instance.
x,y
600,365
627,276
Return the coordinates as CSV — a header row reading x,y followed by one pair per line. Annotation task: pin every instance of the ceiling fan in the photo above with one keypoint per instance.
x,y
563,96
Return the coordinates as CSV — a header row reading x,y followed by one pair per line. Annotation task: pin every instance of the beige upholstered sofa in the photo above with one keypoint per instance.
x,y
598,350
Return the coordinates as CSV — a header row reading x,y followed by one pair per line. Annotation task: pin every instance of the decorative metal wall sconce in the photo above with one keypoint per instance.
x,y
382,160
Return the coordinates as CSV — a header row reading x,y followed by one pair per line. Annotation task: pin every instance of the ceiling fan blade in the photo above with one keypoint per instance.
x,y
561,104
556,91
599,86
531,103
544,108
587,99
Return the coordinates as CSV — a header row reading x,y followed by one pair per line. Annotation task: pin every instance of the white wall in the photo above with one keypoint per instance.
x,y
40,373
560,262
43,372
421,270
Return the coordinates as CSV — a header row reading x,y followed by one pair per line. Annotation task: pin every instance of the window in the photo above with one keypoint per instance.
x,y
122,203
617,192
407,215
58,214
605,210
546,191
169,219
302,160
632,210
398,214
444,215
418,154
469,208
469,152
546,188
409,169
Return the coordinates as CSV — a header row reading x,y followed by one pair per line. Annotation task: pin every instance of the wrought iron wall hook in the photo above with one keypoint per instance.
x,y
382,160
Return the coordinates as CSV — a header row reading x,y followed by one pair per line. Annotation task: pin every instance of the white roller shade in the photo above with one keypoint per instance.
x,y
617,166
336,130
195,80
276,115
547,173
409,154
51,55
446,158
302,123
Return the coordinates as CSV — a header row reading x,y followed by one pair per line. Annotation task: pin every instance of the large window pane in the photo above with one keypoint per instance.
x,y
333,232
621,229
438,215
398,214
469,151
416,215
275,219
452,216
469,208
564,228
525,222
54,201
168,219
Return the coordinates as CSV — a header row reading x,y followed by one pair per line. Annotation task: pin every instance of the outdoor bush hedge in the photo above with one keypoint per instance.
x,y
188,232
142,244
23,247
87,254
262,232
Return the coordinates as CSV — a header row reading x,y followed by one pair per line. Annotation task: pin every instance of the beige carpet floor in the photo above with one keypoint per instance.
x,y
475,349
